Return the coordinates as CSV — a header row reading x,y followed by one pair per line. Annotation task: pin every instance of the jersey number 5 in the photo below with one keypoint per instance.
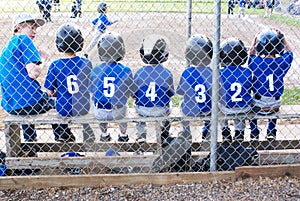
x,y
108,86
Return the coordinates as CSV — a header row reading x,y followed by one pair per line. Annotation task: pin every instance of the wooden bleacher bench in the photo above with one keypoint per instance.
x,y
14,145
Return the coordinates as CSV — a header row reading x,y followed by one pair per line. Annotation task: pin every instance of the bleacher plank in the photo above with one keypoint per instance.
x,y
148,147
285,112
85,181
126,160
13,141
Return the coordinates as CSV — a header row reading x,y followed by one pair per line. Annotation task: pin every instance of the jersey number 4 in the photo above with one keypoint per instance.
x,y
151,91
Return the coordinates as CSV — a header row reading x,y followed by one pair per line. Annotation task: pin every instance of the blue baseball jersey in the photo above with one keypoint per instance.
x,y
154,86
268,73
17,88
195,86
243,3
111,85
102,22
69,77
236,84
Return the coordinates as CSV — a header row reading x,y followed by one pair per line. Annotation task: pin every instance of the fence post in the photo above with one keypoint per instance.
x,y
215,85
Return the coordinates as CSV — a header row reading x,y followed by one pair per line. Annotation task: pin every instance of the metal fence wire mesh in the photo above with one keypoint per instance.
x,y
94,87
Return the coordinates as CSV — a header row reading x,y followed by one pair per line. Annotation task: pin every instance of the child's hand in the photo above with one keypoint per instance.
x,y
44,55
278,31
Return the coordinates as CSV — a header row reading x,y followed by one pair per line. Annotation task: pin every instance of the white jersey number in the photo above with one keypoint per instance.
x,y
271,81
108,86
237,87
200,90
151,92
72,85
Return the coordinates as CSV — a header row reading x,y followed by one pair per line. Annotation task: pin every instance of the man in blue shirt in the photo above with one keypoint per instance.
x,y
20,66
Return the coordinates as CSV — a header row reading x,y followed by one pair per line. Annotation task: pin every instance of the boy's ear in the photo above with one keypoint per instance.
x,y
17,28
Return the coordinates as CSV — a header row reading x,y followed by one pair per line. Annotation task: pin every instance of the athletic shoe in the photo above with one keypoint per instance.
x,y
271,135
66,137
141,138
226,134
105,138
239,135
88,135
123,138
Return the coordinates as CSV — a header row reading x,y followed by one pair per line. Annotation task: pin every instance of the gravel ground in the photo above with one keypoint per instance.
x,y
279,189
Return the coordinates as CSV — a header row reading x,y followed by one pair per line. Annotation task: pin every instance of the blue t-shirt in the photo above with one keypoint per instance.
x,y
17,88
111,85
102,22
69,77
268,74
195,86
236,84
154,86
243,3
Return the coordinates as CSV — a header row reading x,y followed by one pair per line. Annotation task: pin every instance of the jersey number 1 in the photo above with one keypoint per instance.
x,y
271,81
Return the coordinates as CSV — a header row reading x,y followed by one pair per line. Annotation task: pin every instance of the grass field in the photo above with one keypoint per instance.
x,y
171,6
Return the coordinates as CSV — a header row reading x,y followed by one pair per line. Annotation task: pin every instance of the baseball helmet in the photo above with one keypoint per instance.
x,y
154,50
102,7
269,42
69,39
111,47
233,52
199,50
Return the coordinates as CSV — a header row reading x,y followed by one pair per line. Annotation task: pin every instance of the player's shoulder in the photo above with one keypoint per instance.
x,y
124,67
85,60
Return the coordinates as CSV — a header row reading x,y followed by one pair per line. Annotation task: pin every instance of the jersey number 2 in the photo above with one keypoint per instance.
x,y
237,87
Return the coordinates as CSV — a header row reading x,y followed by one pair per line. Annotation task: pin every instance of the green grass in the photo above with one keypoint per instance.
x,y
171,6
291,96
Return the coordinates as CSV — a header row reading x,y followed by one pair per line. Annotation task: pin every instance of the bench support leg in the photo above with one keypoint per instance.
x,y
13,139
158,137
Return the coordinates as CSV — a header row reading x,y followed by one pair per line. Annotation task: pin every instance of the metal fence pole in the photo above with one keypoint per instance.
x,y
189,18
215,85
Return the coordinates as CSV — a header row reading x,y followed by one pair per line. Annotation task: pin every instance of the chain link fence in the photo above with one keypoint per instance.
x,y
147,86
